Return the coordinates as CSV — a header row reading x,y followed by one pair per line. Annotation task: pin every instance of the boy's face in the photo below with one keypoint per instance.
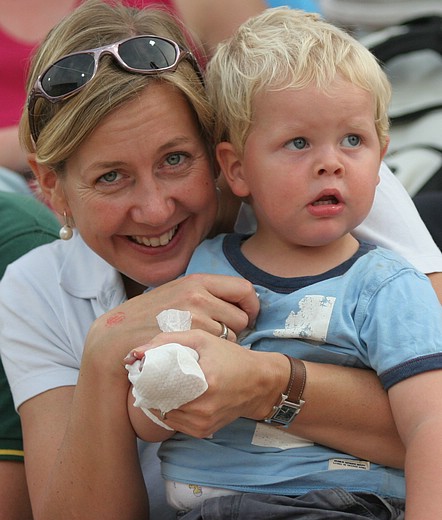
x,y
310,164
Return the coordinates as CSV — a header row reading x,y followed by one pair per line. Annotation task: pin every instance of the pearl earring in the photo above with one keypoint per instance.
x,y
65,232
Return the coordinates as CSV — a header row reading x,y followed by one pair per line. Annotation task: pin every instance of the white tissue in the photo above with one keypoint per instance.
x,y
168,376
172,320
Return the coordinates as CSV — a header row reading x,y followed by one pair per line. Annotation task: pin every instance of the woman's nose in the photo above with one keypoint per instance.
x,y
153,206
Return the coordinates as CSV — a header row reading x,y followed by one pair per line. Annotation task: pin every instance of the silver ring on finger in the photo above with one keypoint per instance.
x,y
224,330
163,416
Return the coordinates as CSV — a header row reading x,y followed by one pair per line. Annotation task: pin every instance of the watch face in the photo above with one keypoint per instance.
x,y
285,414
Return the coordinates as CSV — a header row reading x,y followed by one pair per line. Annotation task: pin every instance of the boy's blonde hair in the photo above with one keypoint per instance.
x,y
287,48
66,124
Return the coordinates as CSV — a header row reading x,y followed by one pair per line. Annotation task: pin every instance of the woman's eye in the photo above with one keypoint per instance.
x,y
351,140
175,159
299,143
109,177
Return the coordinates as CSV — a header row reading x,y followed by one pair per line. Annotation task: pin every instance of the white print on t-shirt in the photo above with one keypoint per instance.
x,y
311,321
271,437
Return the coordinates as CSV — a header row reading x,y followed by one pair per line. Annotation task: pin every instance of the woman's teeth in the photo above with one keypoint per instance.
x,y
162,240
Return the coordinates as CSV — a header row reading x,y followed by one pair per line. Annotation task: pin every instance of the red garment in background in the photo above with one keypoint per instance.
x,y
14,56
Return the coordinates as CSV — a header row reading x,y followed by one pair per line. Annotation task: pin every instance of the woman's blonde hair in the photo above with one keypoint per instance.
x,y
287,48
64,125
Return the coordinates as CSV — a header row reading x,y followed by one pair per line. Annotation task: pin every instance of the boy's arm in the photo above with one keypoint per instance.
x,y
144,427
436,282
417,409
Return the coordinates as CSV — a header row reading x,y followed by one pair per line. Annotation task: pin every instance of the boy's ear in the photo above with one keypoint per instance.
x,y
385,148
230,164
50,185
383,152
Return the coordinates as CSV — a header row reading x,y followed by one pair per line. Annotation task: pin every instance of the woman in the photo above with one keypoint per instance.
x,y
127,157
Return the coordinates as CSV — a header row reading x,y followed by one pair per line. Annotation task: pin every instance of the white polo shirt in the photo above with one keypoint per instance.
x,y
49,299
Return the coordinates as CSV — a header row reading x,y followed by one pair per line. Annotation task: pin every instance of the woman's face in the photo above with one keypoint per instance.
x,y
140,189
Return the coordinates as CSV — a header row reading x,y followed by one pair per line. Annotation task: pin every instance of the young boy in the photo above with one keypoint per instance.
x,y
302,128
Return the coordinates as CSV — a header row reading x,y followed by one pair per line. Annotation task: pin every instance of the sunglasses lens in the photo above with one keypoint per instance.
x,y
68,75
148,53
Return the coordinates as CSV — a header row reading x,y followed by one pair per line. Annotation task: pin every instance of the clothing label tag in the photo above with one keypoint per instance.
x,y
348,464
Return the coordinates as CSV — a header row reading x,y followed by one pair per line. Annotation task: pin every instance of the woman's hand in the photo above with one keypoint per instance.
x,y
241,382
211,299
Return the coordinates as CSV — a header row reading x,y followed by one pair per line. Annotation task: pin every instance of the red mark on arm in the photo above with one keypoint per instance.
x,y
115,319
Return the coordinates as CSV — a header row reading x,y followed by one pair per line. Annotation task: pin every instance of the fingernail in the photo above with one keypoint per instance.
x,y
130,358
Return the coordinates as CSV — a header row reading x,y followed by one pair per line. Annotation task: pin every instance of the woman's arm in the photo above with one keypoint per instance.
x,y
346,408
81,451
14,497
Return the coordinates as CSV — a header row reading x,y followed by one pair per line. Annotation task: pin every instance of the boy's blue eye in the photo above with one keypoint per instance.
x,y
298,142
352,140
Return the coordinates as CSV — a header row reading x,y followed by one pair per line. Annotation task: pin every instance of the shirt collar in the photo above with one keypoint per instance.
x,y
86,275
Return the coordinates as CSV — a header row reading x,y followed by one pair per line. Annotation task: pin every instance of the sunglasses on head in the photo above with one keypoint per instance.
x,y
143,54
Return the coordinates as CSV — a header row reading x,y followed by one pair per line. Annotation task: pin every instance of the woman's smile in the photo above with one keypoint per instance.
x,y
155,241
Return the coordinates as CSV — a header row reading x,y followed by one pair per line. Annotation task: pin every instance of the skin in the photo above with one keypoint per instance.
x,y
327,159
14,497
419,422
436,282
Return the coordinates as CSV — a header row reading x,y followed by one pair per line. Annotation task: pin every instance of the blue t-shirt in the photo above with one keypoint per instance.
x,y
357,314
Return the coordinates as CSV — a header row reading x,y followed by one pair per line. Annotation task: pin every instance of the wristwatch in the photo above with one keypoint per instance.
x,y
291,402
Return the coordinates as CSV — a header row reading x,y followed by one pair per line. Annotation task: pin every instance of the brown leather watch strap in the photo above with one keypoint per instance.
x,y
290,403
298,377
